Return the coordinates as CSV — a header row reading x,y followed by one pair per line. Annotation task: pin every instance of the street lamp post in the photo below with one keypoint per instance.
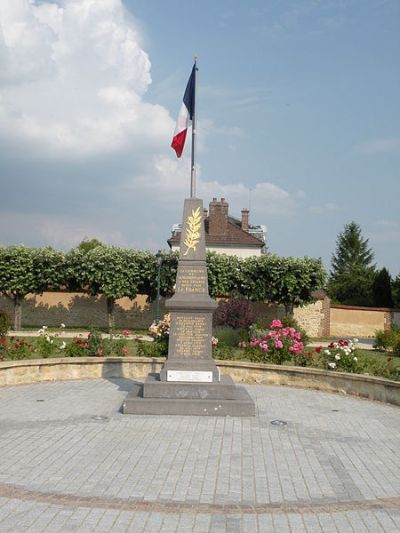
x,y
159,259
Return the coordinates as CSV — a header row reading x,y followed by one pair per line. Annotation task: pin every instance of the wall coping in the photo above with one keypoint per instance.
x,y
54,369
364,308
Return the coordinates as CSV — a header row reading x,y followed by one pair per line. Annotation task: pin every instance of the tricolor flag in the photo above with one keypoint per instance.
x,y
185,116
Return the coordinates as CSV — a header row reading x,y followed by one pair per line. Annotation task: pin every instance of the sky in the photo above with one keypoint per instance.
x,y
298,119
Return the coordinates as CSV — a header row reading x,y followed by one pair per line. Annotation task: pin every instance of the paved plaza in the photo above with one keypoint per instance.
x,y
309,461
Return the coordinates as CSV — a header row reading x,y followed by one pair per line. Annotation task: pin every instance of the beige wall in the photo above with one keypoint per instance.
x,y
319,319
81,310
356,322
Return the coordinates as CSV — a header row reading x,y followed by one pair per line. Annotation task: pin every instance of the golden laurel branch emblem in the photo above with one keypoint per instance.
x,y
193,230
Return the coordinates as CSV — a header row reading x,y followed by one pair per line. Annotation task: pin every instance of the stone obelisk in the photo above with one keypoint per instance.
x,y
190,382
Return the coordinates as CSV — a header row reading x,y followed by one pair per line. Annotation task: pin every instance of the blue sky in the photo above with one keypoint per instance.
x,y
298,115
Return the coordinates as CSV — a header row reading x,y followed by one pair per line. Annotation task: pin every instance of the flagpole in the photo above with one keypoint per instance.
x,y
193,163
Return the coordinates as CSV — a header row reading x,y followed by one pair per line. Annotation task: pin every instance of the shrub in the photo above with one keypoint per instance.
x,y
289,321
224,353
229,337
236,314
153,349
382,366
15,349
388,340
4,324
278,345
96,346
341,356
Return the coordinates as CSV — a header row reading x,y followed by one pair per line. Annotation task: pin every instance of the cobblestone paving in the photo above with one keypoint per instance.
x,y
70,461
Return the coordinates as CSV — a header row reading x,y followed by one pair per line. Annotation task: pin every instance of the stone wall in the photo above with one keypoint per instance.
x,y
81,310
319,319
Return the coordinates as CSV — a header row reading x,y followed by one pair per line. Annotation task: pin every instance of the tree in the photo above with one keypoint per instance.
x,y
396,291
352,272
28,270
109,270
382,289
89,244
289,281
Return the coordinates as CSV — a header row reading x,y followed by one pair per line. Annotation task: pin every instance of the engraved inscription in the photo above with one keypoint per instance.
x,y
192,280
191,335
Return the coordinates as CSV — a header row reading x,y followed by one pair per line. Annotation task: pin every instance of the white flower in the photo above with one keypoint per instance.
x,y
337,357
51,341
44,328
63,345
355,359
332,365
327,352
62,325
355,340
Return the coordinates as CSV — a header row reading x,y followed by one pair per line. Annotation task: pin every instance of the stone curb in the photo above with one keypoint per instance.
x,y
37,370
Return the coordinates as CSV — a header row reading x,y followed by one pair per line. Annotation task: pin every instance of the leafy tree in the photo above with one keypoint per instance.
x,y
288,281
382,289
223,275
26,270
89,244
109,270
352,272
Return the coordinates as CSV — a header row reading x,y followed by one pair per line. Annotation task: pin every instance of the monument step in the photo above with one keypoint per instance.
x,y
135,404
222,390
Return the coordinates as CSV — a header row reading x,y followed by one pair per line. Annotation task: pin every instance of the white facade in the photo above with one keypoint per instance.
x,y
241,252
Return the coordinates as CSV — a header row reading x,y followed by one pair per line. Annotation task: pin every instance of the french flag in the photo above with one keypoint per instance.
x,y
185,116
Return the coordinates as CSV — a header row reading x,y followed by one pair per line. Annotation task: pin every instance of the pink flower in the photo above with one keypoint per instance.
x,y
126,332
276,324
124,350
297,335
278,344
244,345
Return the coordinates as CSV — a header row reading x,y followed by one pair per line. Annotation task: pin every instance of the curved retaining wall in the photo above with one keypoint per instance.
x,y
37,370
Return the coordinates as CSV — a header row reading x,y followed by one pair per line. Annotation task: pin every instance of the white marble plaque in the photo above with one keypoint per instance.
x,y
196,376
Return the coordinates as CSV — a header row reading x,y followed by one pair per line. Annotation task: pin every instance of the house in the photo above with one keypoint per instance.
x,y
226,234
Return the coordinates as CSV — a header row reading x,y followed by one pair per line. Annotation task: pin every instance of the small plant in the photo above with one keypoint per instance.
x,y
228,336
15,349
47,343
97,346
152,349
341,356
4,324
236,314
160,333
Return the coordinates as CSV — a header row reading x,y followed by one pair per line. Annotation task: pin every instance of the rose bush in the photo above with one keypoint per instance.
x,y
278,345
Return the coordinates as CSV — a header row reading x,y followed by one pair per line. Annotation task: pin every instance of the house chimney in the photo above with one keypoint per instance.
x,y
205,213
245,219
218,217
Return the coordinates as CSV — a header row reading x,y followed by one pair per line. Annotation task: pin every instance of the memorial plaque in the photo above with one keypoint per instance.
x,y
189,375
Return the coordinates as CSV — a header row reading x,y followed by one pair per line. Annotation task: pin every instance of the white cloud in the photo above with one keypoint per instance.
x,y
59,231
379,146
75,78
264,198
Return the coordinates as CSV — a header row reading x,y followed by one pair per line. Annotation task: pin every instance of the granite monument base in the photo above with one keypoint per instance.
x,y
155,397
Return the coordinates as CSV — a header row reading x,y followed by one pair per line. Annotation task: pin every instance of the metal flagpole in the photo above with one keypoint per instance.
x,y
193,167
